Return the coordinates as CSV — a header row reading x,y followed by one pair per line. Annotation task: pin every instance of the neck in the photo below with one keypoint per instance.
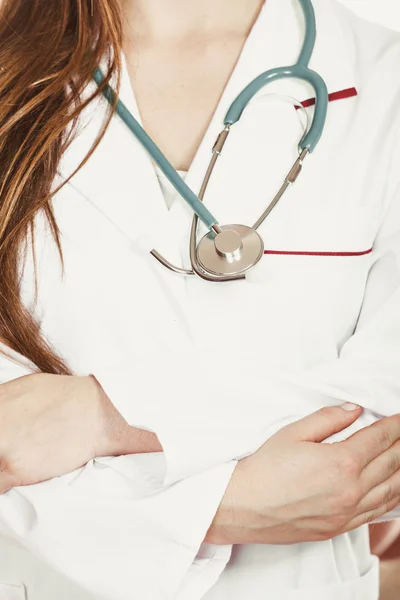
x,y
177,19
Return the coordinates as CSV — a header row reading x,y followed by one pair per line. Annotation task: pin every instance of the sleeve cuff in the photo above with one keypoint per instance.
x,y
204,419
194,440
160,529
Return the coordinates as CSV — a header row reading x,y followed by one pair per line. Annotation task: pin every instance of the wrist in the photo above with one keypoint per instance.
x,y
108,423
241,517
229,520
115,436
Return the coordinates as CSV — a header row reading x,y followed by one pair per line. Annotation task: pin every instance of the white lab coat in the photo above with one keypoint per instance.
x,y
216,369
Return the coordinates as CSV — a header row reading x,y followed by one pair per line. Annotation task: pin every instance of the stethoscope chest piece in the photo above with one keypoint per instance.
x,y
232,252
227,253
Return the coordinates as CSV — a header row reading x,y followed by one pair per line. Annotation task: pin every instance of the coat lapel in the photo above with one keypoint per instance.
x,y
263,145
119,179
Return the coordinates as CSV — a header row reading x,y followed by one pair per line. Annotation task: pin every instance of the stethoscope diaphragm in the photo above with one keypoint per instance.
x,y
227,252
232,252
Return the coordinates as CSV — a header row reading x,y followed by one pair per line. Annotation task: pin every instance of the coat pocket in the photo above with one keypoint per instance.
x,y
242,582
365,587
10,591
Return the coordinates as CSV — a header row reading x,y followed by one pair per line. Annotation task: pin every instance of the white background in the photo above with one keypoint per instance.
x,y
386,12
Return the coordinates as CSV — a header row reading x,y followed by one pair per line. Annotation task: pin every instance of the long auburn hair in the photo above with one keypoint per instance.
x,y
49,50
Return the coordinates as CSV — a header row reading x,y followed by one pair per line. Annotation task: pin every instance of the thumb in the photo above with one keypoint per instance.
x,y
327,421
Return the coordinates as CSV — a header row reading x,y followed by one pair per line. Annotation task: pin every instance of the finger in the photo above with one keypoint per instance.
x,y
373,515
382,468
370,442
327,421
380,495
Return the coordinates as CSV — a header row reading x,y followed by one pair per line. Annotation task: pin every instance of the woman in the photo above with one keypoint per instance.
x,y
107,359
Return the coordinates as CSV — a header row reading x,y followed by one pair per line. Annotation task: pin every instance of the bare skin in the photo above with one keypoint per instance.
x,y
41,414
51,425
337,497
199,42
200,49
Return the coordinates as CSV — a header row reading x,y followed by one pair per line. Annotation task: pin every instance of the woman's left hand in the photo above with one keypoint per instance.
x,y
53,424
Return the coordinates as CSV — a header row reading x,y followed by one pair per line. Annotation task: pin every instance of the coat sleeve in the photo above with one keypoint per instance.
x,y
217,409
152,531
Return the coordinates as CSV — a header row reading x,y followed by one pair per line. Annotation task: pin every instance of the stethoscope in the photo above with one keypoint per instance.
x,y
228,252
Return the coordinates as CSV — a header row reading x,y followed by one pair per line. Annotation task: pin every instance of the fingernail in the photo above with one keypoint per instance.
x,y
350,406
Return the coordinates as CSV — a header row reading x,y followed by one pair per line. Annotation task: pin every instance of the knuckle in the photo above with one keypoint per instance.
x,y
328,412
349,464
385,508
387,495
384,437
350,498
323,535
334,526
393,461
371,516
338,522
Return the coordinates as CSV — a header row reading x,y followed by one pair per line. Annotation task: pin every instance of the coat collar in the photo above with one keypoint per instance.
x,y
119,178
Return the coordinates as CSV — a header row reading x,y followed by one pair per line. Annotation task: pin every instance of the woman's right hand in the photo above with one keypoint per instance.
x,y
295,489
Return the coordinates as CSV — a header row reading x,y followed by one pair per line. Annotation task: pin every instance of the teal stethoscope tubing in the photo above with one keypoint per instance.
x,y
198,207
300,70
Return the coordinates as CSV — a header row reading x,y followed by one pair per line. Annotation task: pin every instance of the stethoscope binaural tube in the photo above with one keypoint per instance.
x,y
227,252
184,190
301,71
209,269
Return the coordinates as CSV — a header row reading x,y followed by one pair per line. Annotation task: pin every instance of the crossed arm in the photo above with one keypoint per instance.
x,y
154,502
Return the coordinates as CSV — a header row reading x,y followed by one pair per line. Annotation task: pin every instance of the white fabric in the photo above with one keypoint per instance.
x,y
301,332
168,190
11,592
